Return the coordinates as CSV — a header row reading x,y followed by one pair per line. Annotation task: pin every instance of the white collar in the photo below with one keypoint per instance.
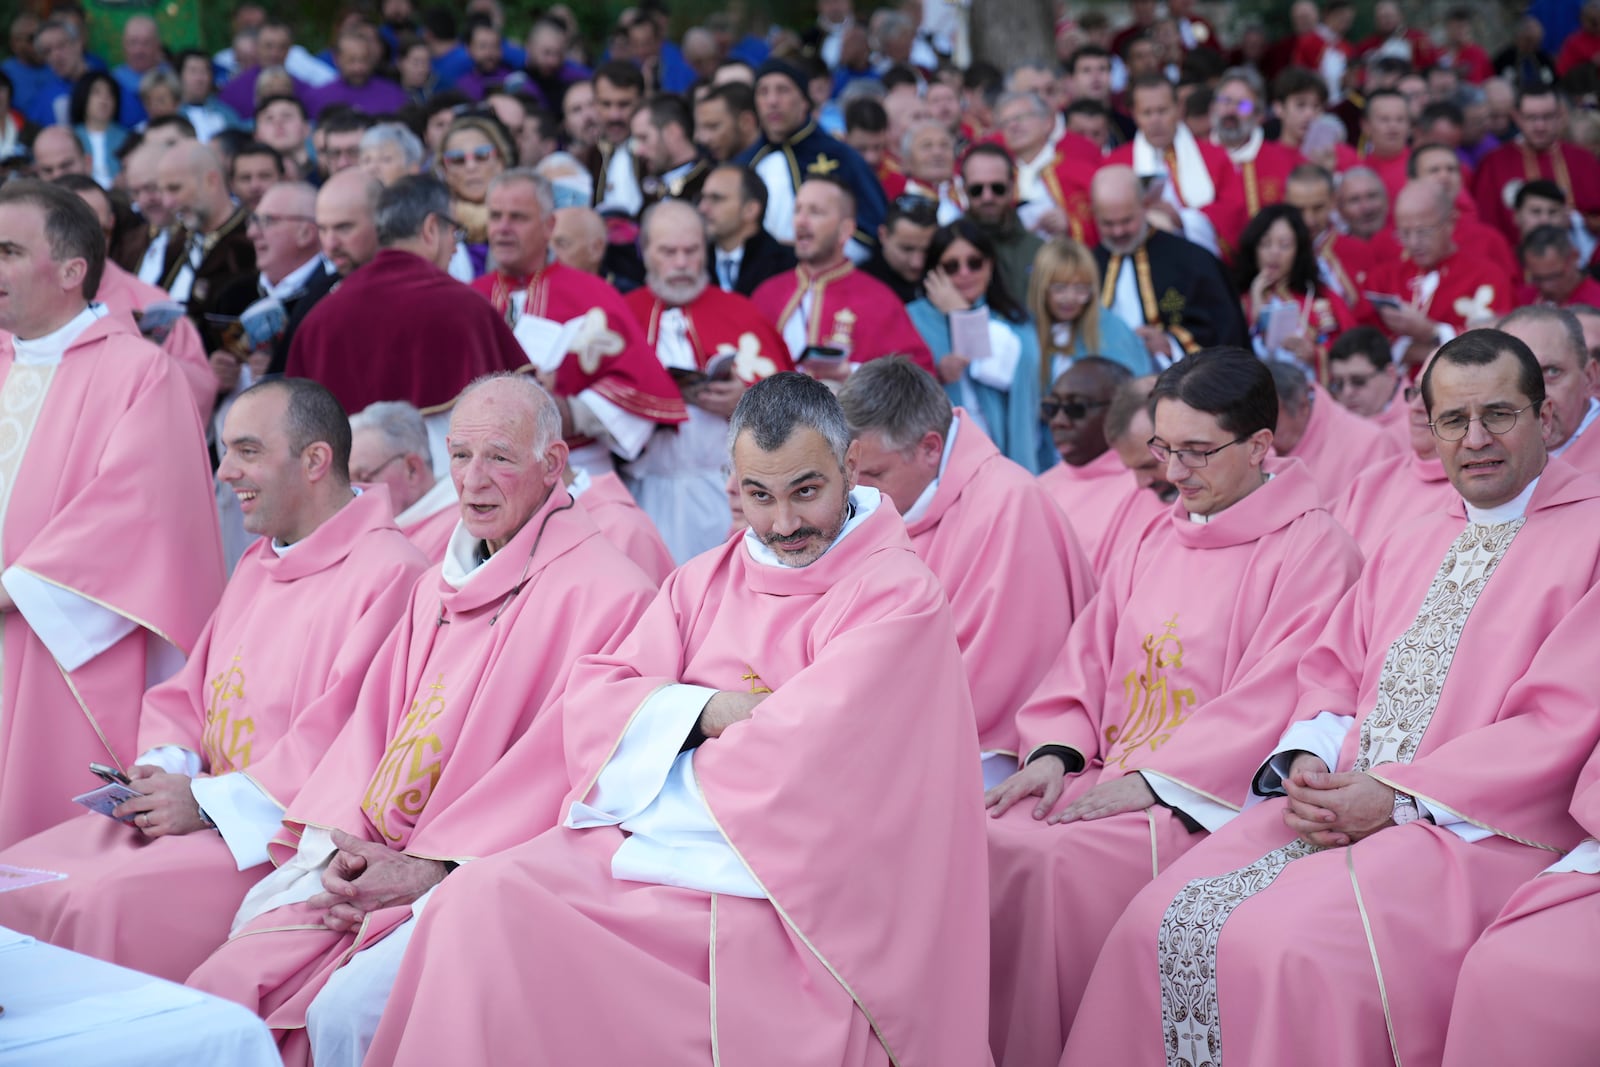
x,y
1202,520
293,282
863,499
1247,152
1507,512
53,345
436,499
920,508
1589,415
581,482
461,560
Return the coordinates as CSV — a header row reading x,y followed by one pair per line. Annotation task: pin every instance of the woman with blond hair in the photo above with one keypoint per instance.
x,y
475,149
1063,297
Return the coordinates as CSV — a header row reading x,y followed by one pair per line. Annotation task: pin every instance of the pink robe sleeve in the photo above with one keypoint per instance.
x,y
183,344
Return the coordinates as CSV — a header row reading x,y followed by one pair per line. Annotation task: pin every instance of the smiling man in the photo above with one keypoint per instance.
x,y
1457,742
705,755
528,586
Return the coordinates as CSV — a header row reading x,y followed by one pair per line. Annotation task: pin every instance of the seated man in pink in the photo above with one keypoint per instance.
x,y
227,742
1438,732
528,585
1170,687
738,862
1333,442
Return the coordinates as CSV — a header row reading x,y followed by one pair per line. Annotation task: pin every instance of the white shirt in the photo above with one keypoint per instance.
x,y
728,264
290,284
154,257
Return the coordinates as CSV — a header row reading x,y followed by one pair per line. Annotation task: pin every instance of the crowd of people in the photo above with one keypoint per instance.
x,y
847,551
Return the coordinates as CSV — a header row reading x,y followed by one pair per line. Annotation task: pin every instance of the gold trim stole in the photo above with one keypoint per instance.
x,y
21,400
1532,171
1414,673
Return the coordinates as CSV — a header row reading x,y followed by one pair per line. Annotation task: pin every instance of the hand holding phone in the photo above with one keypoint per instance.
x,y
109,775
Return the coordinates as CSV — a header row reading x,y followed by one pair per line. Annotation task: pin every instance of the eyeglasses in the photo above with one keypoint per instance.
x,y
918,210
989,189
1412,392
266,222
455,157
1497,421
1189,457
1336,386
458,231
1417,232
1075,409
372,475
953,266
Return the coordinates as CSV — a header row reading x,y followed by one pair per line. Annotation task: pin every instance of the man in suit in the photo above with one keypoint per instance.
x,y
671,164
733,202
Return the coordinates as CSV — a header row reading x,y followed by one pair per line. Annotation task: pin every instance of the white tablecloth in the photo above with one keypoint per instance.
x,y
65,1008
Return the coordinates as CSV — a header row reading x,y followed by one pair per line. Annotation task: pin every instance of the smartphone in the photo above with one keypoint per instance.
x,y
824,356
1382,300
108,775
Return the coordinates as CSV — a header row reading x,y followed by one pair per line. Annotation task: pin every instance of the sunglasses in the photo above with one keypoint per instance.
x,y
989,189
1075,410
953,266
457,156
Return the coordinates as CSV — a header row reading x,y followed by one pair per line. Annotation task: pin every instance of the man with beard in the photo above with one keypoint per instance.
x,y
618,88
213,249
989,179
1264,166
715,345
733,202
1090,481
1537,152
663,145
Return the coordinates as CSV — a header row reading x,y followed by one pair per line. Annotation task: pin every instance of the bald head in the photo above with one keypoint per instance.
x,y
194,188
346,214
56,151
578,238
506,454
1118,209
1424,218
284,229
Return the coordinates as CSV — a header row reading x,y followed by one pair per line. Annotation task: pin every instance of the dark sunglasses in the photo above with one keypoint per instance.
x,y
1072,409
991,188
953,266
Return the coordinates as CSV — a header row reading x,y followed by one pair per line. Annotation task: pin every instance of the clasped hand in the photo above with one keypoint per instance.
x,y
1331,810
1045,778
364,877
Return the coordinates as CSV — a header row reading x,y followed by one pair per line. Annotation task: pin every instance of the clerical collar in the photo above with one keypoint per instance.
x,y
862,503
581,482
1589,416
920,508
53,345
1510,511
463,555
1247,152
435,500
1202,520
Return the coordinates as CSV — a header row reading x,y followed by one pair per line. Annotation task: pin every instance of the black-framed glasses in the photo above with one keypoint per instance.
x,y
1076,409
372,475
953,265
1336,386
1454,426
989,188
482,153
266,222
919,210
1412,392
1191,458
458,231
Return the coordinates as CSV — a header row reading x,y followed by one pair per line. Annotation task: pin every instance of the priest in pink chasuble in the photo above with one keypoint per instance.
x,y
1170,689
1439,727
99,434
528,586
736,864
226,743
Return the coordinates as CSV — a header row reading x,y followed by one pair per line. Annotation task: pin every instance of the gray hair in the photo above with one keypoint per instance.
x,y
393,133
1556,316
774,408
400,425
897,399
1290,380
892,24
1035,101
861,89
542,189
546,416
668,206
66,26
406,205
1248,76
159,78
916,128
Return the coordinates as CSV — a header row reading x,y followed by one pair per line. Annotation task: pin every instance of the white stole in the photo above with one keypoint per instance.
x,y
1192,176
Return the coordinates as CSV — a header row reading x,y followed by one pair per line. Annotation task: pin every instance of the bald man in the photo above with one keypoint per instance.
x,y
143,250
578,239
56,152
211,249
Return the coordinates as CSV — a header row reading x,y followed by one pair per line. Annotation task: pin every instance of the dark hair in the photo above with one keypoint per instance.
x,y
915,209
256,148
1400,68
992,150
1441,109
69,224
867,114
1227,382
1092,108
964,229
751,187
1479,348
1543,239
1418,151
477,22
187,54
1130,397
1367,342
1150,81
898,75
622,75
1292,81
985,78
1311,172
278,98
313,414
1542,188
1088,51
1536,88
739,98
549,126
1385,94
345,120
440,22
1302,277
670,109
1198,102
78,106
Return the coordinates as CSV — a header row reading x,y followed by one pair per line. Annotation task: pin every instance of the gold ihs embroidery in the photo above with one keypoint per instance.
x,y
410,768
1155,707
229,735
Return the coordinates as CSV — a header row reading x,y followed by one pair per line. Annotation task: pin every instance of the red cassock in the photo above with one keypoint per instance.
x,y
1392,169
720,324
851,310
619,365
1505,170
1422,47
1068,178
1226,211
1344,261
1263,178
1470,291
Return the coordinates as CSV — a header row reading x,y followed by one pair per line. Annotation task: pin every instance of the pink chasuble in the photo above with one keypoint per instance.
x,y
1584,452
1390,494
1089,496
1486,722
269,684
467,673
431,535
1013,571
625,525
1338,445
1133,514
125,294
1182,668
869,946
109,499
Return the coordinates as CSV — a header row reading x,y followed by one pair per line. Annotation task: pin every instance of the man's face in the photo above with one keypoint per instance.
x,y
579,114
794,497
1488,469
272,46
715,131
1121,222
870,145
575,242
905,248
140,174
1091,80
341,151
546,50
1387,125
1536,211
1386,17
484,49
519,232
1540,119
30,278
820,225
181,192
1024,128
1553,272
675,258
1233,113
1314,201
648,148
1078,427
614,105
100,203
501,474
780,106
1155,112
901,475
1143,58
1414,89
1569,377
933,155
141,44
1360,387
1443,168
373,461
1363,204
944,104
345,227
1296,113
354,59
1422,225
1228,476
1148,472
194,80
56,153
252,174
282,126
266,476
62,52
720,205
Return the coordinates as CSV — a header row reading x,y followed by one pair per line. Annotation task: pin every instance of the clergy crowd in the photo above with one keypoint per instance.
x,y
806,546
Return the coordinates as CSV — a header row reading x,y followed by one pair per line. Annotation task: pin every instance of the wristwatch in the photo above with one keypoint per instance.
x,y
1405,809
